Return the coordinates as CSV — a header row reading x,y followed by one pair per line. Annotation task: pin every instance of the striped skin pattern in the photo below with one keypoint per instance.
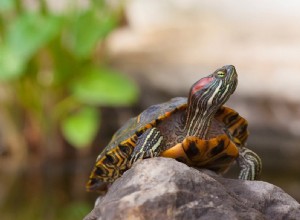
x,y
181,130
250,164
148,145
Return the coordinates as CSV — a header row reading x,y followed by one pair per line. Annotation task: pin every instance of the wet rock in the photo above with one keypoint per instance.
x,y
162,188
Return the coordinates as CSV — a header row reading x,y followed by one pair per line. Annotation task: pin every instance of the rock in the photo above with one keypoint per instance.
x,y
162,188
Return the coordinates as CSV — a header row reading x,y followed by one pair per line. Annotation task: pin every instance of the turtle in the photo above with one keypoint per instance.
x,y
197,130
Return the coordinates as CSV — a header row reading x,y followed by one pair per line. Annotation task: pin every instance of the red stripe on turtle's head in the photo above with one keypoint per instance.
x,y
200,84
218,86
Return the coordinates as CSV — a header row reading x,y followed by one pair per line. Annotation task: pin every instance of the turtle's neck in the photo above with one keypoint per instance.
x,y
199,116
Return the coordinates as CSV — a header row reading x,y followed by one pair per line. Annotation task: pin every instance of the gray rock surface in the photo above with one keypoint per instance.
x,y
162,188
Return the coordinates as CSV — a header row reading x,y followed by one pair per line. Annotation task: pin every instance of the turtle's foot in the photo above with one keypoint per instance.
x,y
250,164
148,145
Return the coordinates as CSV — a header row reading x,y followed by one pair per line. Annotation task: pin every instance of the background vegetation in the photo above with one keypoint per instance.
x,y
54,79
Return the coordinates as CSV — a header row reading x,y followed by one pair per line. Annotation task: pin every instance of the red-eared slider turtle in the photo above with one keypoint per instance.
x,y
197,130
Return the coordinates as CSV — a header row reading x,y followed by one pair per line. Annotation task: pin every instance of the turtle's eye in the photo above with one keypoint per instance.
x,y
221,74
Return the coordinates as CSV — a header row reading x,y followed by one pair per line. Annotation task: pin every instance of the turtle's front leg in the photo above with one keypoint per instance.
x,y
250,164
147,145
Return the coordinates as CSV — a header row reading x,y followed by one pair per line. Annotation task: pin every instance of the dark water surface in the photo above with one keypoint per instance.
x,y
55,190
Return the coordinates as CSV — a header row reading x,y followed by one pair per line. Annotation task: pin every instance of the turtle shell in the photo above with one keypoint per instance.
x,y
113,160
147,119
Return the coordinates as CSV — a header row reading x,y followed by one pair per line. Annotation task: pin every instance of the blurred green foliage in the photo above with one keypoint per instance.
x,y
53,67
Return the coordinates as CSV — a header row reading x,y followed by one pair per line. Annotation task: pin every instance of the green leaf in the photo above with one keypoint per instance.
x,y
87,30
80,128
11,65
104,87
6,5
30,32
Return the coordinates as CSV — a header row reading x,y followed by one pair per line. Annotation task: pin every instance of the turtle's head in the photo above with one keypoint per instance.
x,y
215,89
206,96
